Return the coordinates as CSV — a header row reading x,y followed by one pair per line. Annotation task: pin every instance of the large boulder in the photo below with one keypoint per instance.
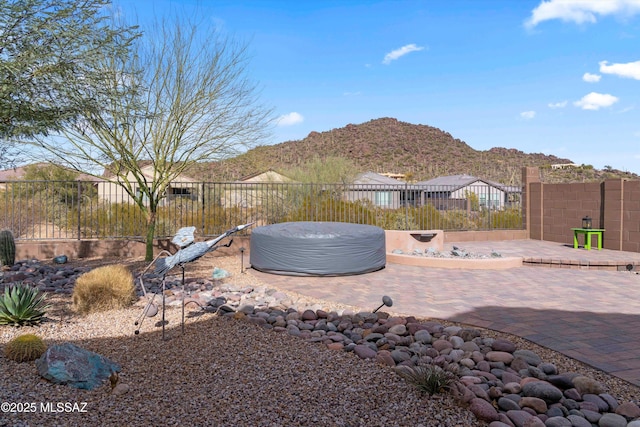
x,y
69,364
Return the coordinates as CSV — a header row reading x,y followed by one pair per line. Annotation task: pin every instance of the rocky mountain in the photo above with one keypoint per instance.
x,y
419,152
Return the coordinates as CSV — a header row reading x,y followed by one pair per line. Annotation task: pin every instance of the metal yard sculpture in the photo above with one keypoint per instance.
x,y
188,252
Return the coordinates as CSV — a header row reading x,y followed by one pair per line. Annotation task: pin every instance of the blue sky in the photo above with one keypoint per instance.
x,y
557,77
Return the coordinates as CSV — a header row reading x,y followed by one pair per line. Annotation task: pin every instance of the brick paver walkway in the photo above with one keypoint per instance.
x,y
590,315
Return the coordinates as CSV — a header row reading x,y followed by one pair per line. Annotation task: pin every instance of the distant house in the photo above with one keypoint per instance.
x,y
255,190
456,191
268,176
380,190
14,174
564,165
444,193
18,174
182,187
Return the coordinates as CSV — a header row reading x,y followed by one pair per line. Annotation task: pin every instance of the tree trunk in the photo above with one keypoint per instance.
x,y
151,230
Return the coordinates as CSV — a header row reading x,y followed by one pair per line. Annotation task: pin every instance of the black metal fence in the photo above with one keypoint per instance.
x,y
98,210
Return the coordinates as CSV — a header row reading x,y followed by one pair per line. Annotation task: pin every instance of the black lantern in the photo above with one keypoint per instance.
x,y
586,222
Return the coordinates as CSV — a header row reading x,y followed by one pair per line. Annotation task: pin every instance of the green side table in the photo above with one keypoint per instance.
x,y
588,233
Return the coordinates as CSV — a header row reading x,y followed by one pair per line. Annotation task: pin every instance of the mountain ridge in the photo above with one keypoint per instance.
x,y
420,152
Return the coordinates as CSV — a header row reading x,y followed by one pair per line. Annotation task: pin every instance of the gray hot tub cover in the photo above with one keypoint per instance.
x,y
318,248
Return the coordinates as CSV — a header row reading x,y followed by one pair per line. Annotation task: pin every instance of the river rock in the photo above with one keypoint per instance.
x,y
612,420
586,385
578,421
628,410
483,410
542,390
535,403
557,422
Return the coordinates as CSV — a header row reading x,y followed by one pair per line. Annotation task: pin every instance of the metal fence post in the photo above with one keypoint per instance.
x,y
78,199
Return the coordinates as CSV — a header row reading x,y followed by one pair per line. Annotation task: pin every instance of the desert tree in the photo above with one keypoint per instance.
x,y
324,170
51,65
181,97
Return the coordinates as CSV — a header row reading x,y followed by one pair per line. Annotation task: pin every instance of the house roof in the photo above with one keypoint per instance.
x,y
459,181
377,179
12,174
267,176
451,180
18,173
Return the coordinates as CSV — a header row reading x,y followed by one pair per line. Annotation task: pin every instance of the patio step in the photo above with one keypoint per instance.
x,y
610,265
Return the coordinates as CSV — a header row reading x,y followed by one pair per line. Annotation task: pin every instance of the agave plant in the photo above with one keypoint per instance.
x,y
22,305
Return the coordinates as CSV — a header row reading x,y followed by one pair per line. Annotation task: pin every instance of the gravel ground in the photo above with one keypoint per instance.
x,y
226,372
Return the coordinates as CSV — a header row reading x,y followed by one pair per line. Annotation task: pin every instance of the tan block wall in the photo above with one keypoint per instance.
x,y
484,236
631,217
76,249
553,209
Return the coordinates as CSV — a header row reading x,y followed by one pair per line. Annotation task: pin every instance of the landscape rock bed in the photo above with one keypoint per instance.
x,y
501,384
455,252
499,381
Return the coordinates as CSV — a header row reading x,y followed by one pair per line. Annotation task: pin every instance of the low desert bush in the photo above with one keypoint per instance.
x,y
25,348
104,288
429,379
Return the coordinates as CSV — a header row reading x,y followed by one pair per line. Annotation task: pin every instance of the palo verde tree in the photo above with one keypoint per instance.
x,y
181,97
324,170
51,71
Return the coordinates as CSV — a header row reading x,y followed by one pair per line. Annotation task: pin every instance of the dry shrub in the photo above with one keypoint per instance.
x,y
104,288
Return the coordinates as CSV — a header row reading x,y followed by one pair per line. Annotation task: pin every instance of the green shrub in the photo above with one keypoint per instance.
x,y
22,305
326,207
109,219
397,219
429,379
104,288
427,217
7,248
25,348
509,218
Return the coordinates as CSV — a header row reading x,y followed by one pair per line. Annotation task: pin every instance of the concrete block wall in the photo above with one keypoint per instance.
x,y
614,205
631,217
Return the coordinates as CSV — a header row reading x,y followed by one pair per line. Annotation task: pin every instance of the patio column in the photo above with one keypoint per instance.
x,y
530,175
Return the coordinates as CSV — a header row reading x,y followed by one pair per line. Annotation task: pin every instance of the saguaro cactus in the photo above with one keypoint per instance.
x,y
7,248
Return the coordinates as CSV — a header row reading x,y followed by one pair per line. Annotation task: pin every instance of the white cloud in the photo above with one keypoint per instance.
x,y
630,69
395,54
561,104
290,119
580,11
591,78
595,101
528,115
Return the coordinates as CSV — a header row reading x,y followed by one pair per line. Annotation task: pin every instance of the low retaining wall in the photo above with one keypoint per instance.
x,y
414,239
485,236
48,249
456,263
411,240
75,249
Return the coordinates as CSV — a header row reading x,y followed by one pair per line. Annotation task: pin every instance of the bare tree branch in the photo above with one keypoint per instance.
x,y
181,97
